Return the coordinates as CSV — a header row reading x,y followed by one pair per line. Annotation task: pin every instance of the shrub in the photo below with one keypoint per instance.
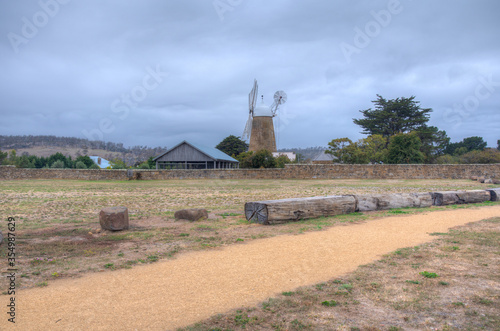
x,y
282,160
489,155
80,165
447,159
57,164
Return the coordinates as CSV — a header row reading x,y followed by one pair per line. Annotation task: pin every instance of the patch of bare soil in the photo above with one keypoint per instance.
x,y
175,293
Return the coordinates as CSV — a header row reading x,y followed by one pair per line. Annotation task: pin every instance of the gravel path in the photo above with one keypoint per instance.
x,y
174,293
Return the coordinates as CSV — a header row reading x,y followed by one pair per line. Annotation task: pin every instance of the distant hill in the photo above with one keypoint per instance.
x,y
74,147
70,146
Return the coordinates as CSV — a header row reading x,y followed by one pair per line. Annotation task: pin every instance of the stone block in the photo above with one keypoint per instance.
x,y
193,215
114,218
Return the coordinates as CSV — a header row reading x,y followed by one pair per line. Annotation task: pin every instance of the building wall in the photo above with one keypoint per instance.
x,y
320,171
262,136
185,152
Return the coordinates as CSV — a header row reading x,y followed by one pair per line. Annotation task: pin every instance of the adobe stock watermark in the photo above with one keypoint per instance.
x,y
372,29
31,27
126,102
223,6
461,111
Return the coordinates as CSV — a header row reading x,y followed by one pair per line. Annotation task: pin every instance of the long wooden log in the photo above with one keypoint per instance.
x,y
281,211
367,202
495,194
459,197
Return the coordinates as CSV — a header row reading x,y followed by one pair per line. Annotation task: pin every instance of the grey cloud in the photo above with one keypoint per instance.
x,y
67,78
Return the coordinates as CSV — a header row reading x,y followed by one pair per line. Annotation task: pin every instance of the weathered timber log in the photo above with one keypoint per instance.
x,y
459,197
367,202
494,193
282,211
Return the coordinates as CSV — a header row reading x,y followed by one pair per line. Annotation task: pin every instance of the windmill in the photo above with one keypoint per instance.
x,y
259,128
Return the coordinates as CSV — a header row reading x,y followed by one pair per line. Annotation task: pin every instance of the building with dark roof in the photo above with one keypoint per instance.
x,y
187,155
323,158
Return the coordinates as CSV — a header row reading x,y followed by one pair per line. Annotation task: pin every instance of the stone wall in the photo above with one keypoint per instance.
x,y
308,171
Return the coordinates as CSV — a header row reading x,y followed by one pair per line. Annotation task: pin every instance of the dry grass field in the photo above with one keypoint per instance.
x,y
58,236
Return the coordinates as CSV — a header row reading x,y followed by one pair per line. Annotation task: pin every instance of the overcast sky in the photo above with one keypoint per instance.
x,y
156,72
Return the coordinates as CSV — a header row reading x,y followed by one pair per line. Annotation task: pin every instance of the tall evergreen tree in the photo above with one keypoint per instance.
x,y
232,145
390,117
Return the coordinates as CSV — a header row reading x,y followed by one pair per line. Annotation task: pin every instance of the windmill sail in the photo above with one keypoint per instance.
x,y
252,100
252,97
248,128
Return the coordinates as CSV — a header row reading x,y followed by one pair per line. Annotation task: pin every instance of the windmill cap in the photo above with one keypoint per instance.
x,y
262,110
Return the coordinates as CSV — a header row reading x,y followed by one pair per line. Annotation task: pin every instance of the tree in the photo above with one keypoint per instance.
x,y
68,163
466,145
374,148
498,144
118,163
40,162
336,147
405,148
12,157
3,157
80,165
474,143
86,160
390,117
282,160
263,159
434,142
245,159
58,164
368,150
151,163
25,162
232,145
260,159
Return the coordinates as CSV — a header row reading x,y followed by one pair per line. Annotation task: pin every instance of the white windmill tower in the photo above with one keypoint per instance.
x,y
259,127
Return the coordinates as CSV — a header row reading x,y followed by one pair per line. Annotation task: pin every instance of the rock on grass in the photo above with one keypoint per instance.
x,y
192,215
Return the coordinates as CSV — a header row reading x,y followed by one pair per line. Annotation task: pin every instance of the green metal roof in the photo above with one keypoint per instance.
x,y
211,152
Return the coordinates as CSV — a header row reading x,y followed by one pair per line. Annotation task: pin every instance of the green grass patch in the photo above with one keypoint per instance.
x,y
427,274
331,303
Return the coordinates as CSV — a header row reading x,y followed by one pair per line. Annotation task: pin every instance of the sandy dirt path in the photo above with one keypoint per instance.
x,y
197,285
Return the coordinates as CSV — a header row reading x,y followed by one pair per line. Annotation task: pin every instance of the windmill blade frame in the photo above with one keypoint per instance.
x,y
280,98
248,128
252,97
